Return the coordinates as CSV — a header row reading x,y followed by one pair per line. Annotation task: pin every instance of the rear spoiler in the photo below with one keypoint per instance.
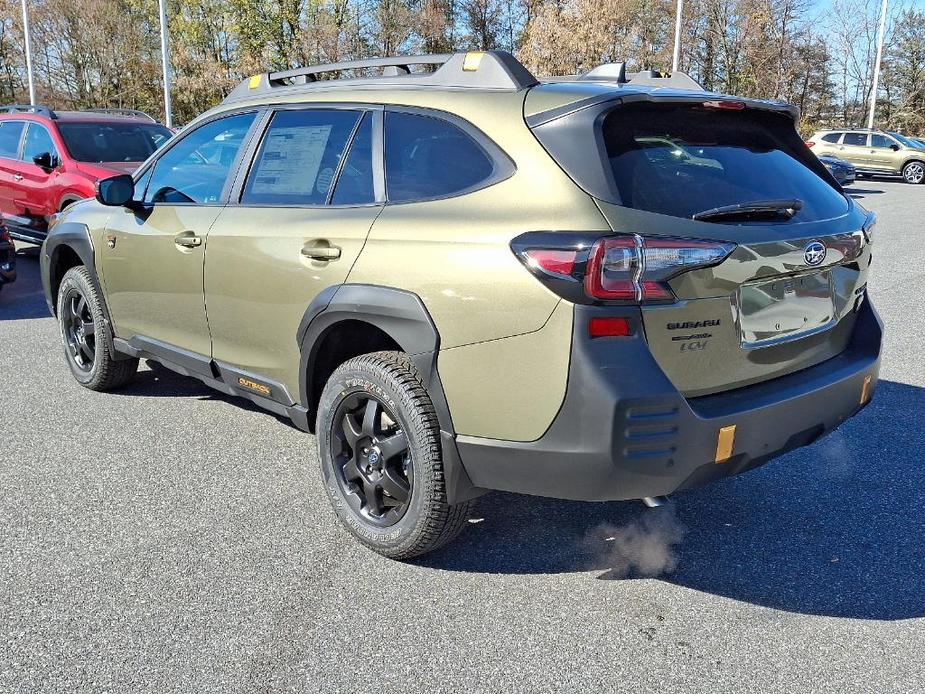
x,y
620,96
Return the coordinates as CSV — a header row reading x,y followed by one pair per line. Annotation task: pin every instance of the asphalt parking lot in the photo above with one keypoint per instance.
x,y
167,538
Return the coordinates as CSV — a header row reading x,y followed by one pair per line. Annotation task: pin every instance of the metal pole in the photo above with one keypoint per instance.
x,y
25,29
165,60
873,90
676,58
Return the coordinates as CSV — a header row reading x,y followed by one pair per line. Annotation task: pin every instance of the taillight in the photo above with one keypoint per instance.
x,y
552,261
810,143
625,268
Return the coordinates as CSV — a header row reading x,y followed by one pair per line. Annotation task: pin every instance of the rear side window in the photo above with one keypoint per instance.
x,y
681,159
355,183
831,137
427,157
10,132
299,157
855,139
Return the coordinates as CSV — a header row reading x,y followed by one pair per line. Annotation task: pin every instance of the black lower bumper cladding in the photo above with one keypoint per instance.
x,y
625,432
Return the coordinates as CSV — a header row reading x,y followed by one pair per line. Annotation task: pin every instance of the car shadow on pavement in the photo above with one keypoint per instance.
x,y
24,298
861,193
157,381
835,529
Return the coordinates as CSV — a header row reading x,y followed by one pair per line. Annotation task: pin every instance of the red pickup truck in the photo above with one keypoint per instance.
x,y
49,159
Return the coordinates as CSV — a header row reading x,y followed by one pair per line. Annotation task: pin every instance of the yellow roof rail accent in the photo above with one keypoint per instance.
x,y
472,61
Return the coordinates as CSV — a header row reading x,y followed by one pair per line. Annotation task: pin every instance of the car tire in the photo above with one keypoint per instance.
x,y
392,499
914,172
80,321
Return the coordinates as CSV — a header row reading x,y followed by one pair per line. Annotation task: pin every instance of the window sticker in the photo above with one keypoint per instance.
x,y
291,159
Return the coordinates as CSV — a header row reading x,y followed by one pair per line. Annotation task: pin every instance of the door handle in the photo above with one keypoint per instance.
x,y
188,241
17,177
318,251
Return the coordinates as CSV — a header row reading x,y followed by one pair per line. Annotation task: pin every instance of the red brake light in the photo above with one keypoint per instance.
x,y
725,104
810,143
556,262
609,327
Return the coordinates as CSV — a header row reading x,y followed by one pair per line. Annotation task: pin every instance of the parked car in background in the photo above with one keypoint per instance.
x,y
843,171
49,159
873,152
7,256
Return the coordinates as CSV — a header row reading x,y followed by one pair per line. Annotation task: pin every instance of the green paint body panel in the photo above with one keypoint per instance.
x,y
506,340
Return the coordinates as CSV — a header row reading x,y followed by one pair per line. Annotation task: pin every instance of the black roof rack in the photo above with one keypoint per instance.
x,y
129,112
616,72
38,109
489,70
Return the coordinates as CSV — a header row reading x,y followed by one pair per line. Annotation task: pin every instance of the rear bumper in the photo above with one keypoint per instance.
x,y
625,432
7,263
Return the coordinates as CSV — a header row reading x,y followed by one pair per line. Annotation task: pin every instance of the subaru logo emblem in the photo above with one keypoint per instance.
x,y
814,253
373,458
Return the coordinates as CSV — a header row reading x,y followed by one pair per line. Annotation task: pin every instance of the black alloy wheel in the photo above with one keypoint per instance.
x,y
372,460
79,331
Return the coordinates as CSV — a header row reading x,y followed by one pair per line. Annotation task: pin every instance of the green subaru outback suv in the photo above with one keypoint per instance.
x,y
460,278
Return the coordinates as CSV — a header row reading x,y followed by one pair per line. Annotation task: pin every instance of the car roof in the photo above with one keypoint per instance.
x,y
43,113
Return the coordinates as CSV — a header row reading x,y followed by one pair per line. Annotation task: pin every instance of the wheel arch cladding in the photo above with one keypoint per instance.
x,y
69,245
393,319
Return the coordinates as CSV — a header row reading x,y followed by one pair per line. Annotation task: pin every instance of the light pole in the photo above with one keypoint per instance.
x,y
165,60
676,58
873,90
25,30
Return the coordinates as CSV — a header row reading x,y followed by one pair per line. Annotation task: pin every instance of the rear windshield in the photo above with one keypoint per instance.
x,y
682,159
112,142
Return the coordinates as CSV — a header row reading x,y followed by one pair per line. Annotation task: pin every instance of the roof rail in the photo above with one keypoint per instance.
x,y
489,70
131,112
616,72
37,109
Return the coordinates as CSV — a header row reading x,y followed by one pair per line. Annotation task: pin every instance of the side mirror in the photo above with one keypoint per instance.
x,y
46,160
894,147
116,191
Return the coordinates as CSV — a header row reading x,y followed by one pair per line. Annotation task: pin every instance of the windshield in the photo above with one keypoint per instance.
x,y
906,141
683,159
112,142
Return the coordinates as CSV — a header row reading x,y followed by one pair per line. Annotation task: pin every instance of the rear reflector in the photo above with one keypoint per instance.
x,y
610,326
865,390
725,442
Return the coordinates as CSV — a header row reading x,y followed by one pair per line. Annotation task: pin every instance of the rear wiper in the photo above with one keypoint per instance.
x,y
776,208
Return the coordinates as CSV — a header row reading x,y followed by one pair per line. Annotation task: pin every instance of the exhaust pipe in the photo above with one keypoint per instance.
x,y
655,501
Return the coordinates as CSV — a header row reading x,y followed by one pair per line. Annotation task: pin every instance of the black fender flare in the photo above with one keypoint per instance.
x,y
401,315
76,237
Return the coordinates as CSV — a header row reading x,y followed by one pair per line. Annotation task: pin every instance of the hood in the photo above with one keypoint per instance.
x,y
107,168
